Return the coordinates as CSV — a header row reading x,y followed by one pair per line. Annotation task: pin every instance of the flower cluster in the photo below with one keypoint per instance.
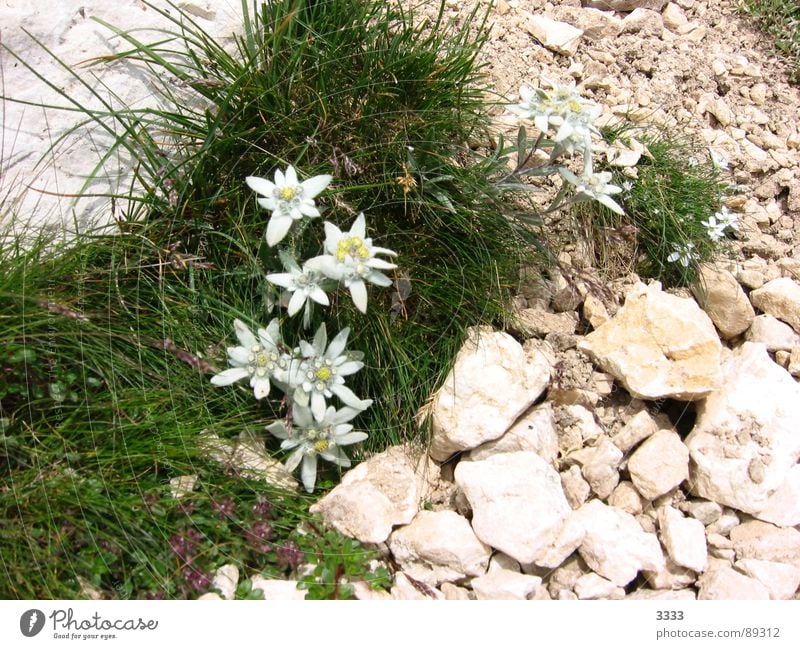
x,y
682,253
719,224
572,118
313,373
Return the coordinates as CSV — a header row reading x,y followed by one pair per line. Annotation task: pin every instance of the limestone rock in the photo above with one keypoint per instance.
x,y
627,498
502,584
647,593
705,511
452,592
595,24
439,546
615,545
637,428
658,345
378,494
277,588
671,576
723,582
759,540
554,35
684,539
492,383
576,489
722,298
659,465
774,334
517,502
673,17
781,299
534,431
538,322
594,311
225,580
593,586
625,5
780,579
404,589
602,469
745,444
643,21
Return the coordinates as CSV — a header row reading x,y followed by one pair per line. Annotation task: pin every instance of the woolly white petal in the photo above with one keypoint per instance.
x,y
349,367
277,228
260,387
286,280
243,333
226,377
238,355
359,227
268,203
294,459
296,302
318,406
338,344
291,176
318,295
302,417
358,291
278,428
351,438
379,279
260,185
349,398
309,472
610,203
314,186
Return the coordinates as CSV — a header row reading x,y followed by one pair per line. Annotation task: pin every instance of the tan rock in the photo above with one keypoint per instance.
x,y
493,381
650,594
683,538
602,469
378,494
576,489
593,586
638,428
517,502
759,540
659,465
501,584
559,37
721,297
673,17
723,582
595,24
671,576
595,311
780,579
627,498
658,345
780,298
537,322
625,5
439,546
774,334
744,444
535,431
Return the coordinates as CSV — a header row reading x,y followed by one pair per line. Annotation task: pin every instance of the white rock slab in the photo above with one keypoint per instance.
x,y
723,582
559,37
658,345
722,298
493,381
781,299
517,502
684,539
659,465
780,579
277,588
776,335
501,584
535,431
378,494
593,586
759,540
226,578
745,445
439,546
615,546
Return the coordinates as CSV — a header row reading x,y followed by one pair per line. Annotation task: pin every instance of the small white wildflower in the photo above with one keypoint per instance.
x,y
716,231
718,160
288,199
627,186
727,218
683,253
594,186
313,437
258,358
303,284
319,373
352,260
720,222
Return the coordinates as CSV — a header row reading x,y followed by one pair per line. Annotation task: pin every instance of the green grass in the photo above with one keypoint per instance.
x,y
781,20
107,346
678,187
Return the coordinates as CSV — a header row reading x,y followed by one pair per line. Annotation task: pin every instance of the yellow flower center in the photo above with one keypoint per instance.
x,y
321,445
353,246
287,193
324,373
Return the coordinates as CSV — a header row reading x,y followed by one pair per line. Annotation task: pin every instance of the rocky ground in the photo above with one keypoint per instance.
x,y
641,443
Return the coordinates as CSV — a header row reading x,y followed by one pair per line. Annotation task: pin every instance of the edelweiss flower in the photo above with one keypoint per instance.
x,y
683,253
313,437
352,261
287,199
561,108
302,284
320,373
258,359
594,186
